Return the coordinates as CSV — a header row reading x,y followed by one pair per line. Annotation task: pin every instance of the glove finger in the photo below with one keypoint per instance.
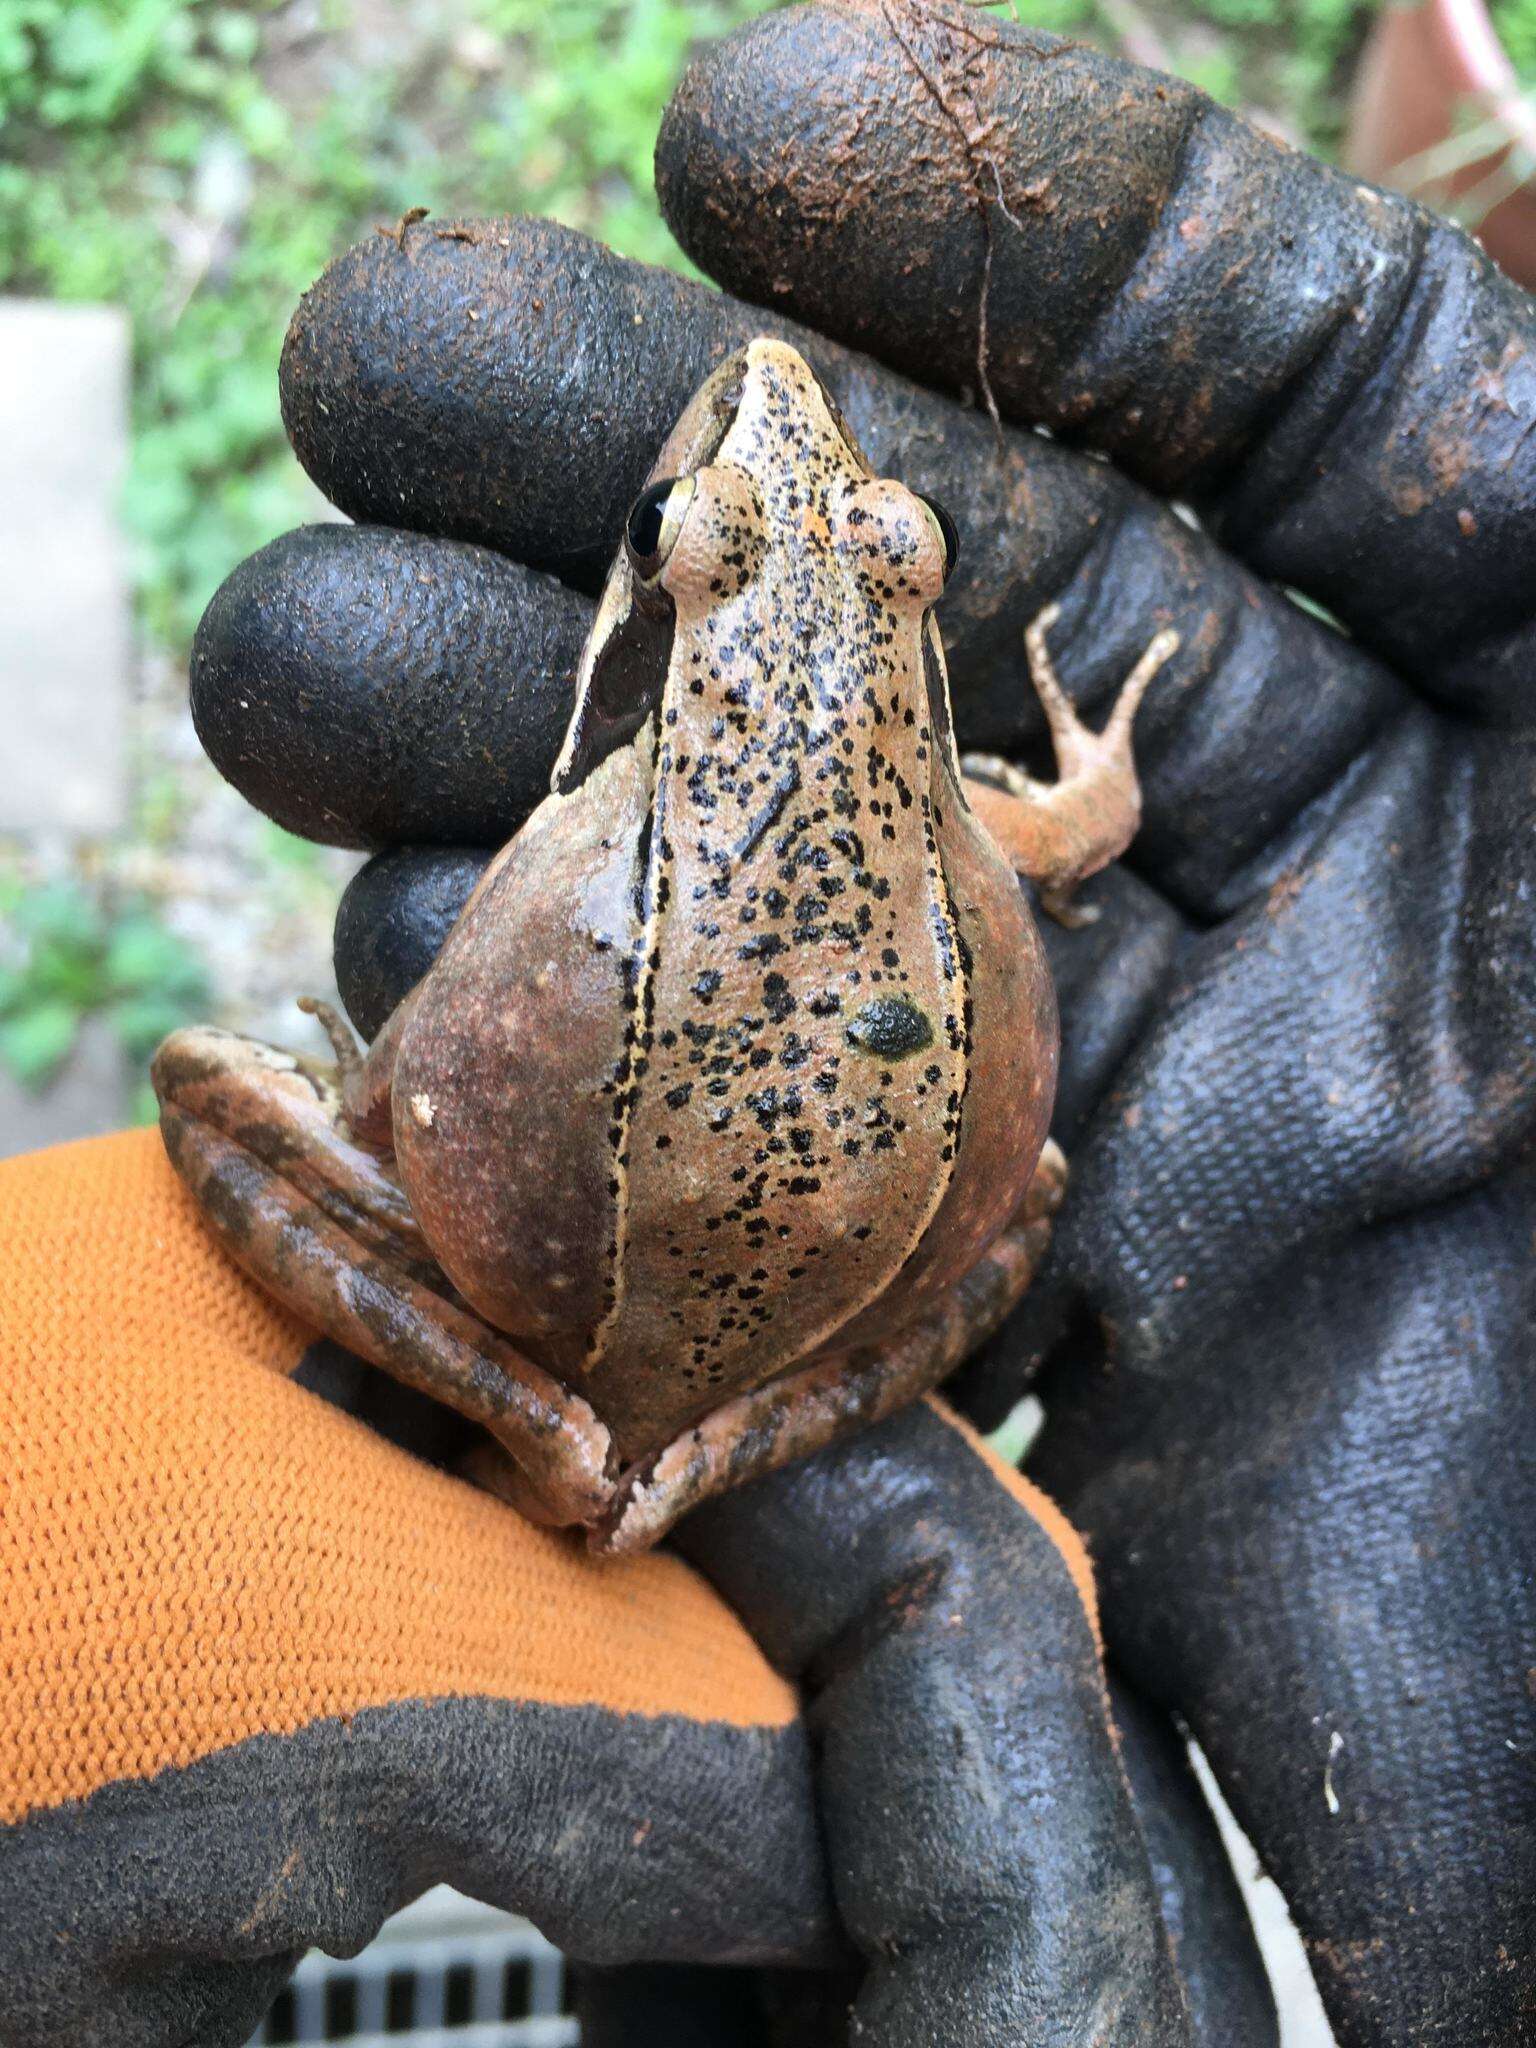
x,y
390,385
1208,1926
1339,381
365,686
985,1853
275,1677
1212,1938
1319,1547
392,920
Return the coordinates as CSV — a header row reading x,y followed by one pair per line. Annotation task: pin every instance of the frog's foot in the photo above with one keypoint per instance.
x,y
363,1077
350,1059
261,1139
760,1431
1058,833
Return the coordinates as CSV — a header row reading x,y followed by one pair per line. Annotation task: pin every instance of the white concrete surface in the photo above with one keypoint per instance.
x,y
64,613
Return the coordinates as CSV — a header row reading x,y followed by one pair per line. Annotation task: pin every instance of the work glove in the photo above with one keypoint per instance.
x,y
269,1669
1284,1327
1287,1332
272,1668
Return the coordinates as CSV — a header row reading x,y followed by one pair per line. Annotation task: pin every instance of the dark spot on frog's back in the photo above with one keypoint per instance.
x,y
889,1027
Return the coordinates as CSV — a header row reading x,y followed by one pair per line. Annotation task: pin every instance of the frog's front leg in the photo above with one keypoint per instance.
x,y
264,1140
787,1419
1058,833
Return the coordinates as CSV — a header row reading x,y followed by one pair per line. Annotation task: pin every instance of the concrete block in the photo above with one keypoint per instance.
x,y
65,642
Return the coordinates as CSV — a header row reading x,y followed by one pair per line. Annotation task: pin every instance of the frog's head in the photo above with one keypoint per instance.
x,y
761,483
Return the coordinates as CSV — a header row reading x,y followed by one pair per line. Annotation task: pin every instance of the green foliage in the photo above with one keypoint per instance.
x,y
574,126
194,162
283,849
1321,36
65,956
1290,58
1515,21
177,158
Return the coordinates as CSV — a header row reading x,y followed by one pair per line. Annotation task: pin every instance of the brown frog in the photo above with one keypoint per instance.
x,y
719,1125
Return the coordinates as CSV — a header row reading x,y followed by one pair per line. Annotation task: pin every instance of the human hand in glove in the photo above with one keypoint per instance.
x,y
406,408
1287,1314
273,1666
1287,1323
269,1668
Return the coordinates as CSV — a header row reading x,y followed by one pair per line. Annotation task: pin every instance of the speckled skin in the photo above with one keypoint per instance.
x,y
697,1084
741,1056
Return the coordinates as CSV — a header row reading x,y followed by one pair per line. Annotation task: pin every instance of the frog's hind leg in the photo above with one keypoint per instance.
x,y
1058,833
262,1140
758,1432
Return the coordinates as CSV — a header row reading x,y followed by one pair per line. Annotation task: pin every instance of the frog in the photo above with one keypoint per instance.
x,y
720,1125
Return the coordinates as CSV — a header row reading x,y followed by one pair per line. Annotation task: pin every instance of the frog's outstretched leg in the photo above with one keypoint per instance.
x,y
760,1431
1058,833
262,1140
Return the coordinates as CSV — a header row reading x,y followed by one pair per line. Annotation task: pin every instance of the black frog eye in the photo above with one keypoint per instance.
x,y
946,530
654,522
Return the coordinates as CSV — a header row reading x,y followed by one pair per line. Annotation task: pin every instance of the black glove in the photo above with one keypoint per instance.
x,y
1326,899
219,1793
1289,1318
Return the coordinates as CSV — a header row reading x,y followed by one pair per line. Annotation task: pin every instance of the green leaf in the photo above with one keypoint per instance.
x,y
140,1022
14,989
59,914
34,1043
143,955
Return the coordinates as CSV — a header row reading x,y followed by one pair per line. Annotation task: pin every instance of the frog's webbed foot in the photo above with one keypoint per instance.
x,y
1058,833
264,1142
787,1419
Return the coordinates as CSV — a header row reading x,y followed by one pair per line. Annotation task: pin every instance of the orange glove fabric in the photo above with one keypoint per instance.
x,y
265,1675
170,1491
224,1602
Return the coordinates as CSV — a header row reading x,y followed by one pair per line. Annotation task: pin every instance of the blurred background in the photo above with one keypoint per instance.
x,y
173,174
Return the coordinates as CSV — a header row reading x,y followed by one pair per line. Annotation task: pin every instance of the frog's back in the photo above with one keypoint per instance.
x,y
693,1094
800,1055
792,1108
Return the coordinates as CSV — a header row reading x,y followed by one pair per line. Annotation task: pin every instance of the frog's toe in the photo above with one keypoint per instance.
x,y
213,1074
1057,834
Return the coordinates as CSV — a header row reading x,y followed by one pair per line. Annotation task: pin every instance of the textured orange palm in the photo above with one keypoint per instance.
x,y
193,1550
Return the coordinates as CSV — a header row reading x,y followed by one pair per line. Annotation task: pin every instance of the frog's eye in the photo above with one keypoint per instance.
x,y
944,526
655,520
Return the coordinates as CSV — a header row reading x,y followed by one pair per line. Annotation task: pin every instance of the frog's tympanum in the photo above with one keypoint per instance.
x,y
717,1127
